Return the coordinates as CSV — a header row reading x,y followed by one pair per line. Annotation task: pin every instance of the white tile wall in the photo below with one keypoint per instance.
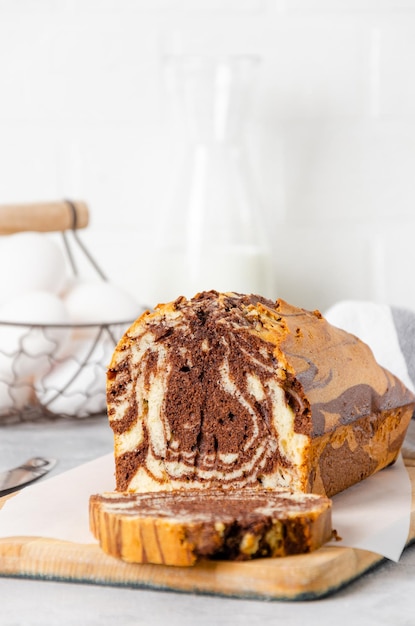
x,y
82,114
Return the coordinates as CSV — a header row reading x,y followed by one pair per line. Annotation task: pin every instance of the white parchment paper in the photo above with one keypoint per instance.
x,y
372,515
375,514
58,507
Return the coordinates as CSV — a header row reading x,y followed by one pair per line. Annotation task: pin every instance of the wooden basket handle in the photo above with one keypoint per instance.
x,y
43,216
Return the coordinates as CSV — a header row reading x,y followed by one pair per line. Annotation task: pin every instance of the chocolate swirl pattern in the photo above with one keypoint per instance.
x,y
230,390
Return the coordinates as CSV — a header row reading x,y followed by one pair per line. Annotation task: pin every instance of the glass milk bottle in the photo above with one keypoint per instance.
x,y
212,234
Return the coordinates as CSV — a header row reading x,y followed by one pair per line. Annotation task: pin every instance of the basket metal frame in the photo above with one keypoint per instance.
x,y
40,411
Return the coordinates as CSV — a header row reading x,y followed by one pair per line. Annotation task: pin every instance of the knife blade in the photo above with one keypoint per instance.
x,y
18,477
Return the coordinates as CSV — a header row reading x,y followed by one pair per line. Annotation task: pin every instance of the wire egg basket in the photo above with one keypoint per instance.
x,y
69,360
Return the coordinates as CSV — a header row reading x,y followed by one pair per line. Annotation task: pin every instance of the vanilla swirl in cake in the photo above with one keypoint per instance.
x,y
231,390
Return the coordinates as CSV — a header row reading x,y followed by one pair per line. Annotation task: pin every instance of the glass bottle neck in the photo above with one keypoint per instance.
x,y
212,96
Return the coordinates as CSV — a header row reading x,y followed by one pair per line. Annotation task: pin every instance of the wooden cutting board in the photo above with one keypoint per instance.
x,y
301,577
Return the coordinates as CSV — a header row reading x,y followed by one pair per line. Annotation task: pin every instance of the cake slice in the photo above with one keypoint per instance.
x,y
178,528
230,391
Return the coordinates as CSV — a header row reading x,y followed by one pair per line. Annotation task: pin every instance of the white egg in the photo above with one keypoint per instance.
x,y
28,339
100,302
35,307
30,261
76,385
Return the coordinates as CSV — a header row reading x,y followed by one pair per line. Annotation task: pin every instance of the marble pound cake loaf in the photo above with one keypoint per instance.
x,y
179,528
232,391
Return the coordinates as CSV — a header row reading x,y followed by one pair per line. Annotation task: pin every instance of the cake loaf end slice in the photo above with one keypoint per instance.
x,y
178,528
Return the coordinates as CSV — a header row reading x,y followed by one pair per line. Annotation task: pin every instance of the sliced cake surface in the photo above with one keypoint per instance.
x,y
178,528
